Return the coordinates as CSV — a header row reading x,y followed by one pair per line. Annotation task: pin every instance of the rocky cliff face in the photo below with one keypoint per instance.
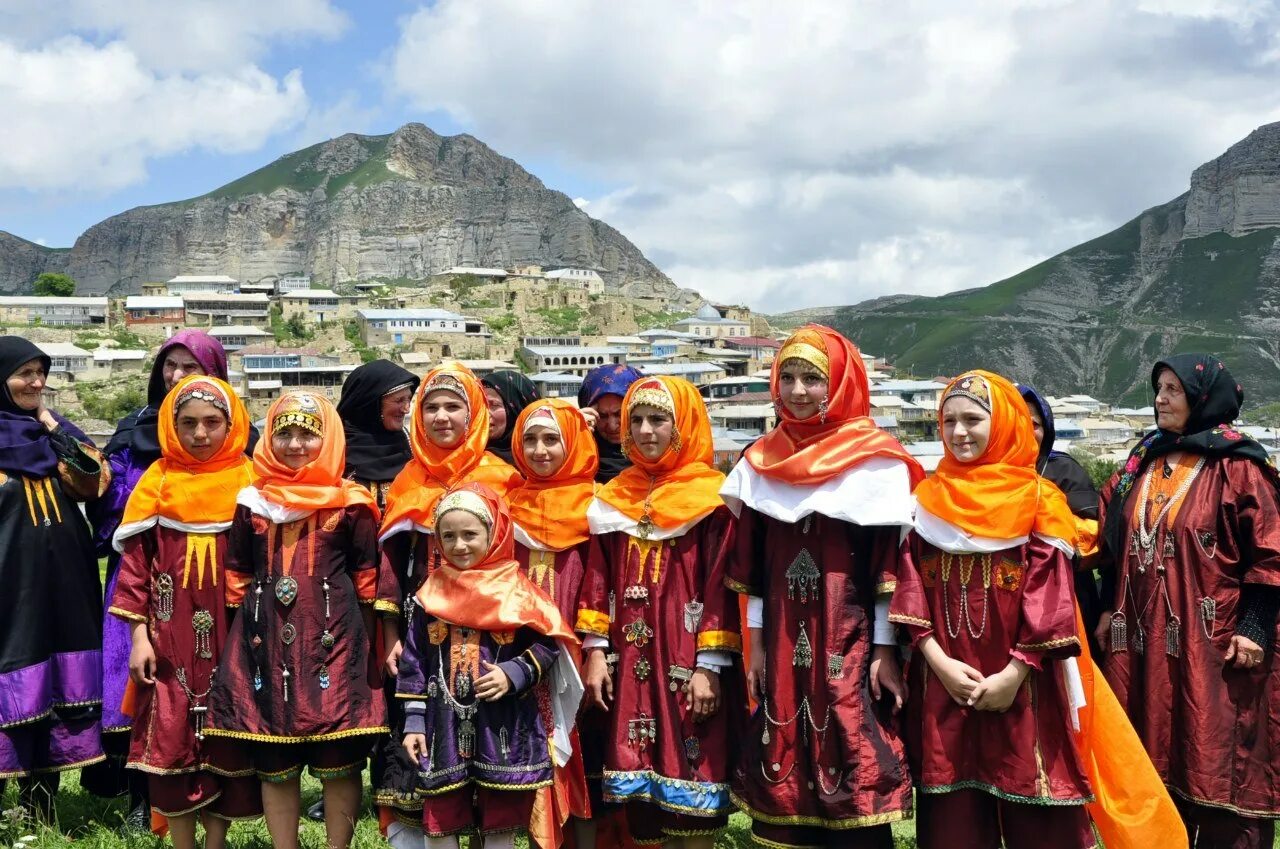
x,y
1239,192
21,262
1200,273
406,205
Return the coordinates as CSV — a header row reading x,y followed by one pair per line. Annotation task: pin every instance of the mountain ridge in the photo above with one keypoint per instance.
x,y
401,205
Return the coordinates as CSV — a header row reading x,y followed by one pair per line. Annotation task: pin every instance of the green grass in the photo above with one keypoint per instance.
x,y
95,823
295,171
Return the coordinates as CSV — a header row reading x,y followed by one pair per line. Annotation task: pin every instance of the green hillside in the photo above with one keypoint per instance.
x,y
299,171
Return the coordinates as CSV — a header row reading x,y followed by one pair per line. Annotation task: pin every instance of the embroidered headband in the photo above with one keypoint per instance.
x,y
974,388
806,345
468,502
652,393
543,417
393,390
301,410
448,383
201,391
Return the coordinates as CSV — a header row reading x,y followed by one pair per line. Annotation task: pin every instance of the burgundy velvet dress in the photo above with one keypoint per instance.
x,y
1212,730
820,752
301,613
175,583
983,610
660,602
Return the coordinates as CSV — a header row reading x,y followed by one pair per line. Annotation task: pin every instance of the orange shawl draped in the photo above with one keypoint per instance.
x,y
553,510
999,495
319,485
812,451
681,486
183,489
433,471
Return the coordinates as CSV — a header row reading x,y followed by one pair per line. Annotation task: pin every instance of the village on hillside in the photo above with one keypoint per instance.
x,y
554,325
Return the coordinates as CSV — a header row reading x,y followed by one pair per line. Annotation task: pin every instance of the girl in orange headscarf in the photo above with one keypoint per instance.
x,y
987,599
298,677
173,591
555,451
448,431
481,638
662,628
823,502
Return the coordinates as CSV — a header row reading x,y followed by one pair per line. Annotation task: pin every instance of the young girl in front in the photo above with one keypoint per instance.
x,y
986,597
485,650
448,431
173,591
660,624
298,677
556,454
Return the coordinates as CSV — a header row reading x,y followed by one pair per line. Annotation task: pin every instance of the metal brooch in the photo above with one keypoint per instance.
x,y
288,634
638,633
286,590
642,669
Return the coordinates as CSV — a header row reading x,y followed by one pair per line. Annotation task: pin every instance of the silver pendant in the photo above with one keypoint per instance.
x,y
202,624
286,590
163,588
1173,636
802,657
693,616
1119,633
324,678
466,738
803,577
835,667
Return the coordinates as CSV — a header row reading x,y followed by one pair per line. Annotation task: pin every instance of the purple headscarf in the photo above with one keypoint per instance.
x,y
137,431
606,380
25,448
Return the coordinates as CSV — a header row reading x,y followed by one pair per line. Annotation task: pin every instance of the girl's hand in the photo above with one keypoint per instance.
x,y
493,684
416,746
599,681
142,660
886,676
1243,653
959,678
996,692
391,663
703,692
755,673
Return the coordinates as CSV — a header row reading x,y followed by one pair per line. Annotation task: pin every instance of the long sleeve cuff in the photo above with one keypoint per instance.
x,y
1259,606
519,674
714,660
883,632
594,641
415,718
755,611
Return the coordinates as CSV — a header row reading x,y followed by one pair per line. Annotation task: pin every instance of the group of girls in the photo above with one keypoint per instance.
x,y
520,646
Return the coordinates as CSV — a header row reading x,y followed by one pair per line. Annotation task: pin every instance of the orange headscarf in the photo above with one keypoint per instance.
x,y
178,486
812,451
553,510
319,485
433,471
495,594
681,486
999,495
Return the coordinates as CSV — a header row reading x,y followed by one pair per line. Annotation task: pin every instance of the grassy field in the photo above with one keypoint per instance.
x,y
94,823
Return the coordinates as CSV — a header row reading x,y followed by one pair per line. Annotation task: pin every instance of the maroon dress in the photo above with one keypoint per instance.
x,y
175,582
659,603
820,752
302,614
1212,730
558,573
1020,604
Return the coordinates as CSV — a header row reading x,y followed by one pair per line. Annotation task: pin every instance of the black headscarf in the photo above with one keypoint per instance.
x,y
25,447
517,392
1214,398
139,430
374,454
1058,467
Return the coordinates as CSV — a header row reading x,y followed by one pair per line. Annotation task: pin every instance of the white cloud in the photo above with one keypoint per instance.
x,y
857,151
176,35
89,117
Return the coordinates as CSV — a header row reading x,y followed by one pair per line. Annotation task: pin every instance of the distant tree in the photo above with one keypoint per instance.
x,y
55,285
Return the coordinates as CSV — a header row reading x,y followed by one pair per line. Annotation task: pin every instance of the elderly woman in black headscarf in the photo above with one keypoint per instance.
x,y
51,602
1191,576
508,392
375,401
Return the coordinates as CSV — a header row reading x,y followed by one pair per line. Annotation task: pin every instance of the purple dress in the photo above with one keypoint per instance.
x,y
500,745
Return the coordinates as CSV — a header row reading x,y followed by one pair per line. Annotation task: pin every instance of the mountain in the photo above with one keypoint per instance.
x,y
1199,273
398,206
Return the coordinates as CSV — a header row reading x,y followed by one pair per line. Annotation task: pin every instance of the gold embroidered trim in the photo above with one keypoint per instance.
x,y
126,614
1050,644
903,619
314,738
383,606
719,641
886,587
820,822
738,587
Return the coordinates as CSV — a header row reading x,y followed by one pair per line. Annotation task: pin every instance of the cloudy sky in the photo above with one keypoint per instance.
x,y
786,154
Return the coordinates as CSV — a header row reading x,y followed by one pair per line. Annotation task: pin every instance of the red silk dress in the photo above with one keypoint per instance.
x,y
820,752
660,602
1212,730
175,582
984,610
